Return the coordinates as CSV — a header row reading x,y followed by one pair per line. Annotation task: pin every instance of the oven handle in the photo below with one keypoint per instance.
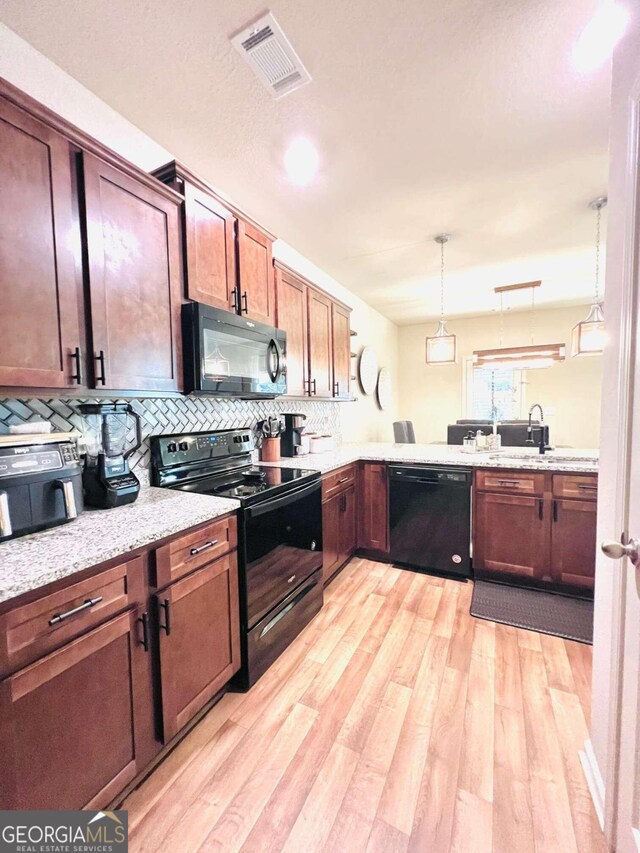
x,y
273,622
285,500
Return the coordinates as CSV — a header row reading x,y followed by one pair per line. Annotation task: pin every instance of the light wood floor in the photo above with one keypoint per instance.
x,y
396,722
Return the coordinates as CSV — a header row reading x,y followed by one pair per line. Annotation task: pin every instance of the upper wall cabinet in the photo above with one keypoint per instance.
x,y
318,338
209,240
133,251
227,258
291,301
40,344
90,273
255,274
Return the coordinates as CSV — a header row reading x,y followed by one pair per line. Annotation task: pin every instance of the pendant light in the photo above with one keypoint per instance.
x,y
441,347
531,357
589,336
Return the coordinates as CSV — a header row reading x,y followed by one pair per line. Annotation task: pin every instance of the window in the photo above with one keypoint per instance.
x,y
495,394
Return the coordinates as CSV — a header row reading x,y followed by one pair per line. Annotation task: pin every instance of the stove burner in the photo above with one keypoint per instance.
x,y
254,475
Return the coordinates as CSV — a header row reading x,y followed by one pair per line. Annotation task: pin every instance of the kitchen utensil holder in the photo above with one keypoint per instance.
x,y
270,450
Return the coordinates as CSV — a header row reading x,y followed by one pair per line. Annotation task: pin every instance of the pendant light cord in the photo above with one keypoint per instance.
x,y
599,214
442,281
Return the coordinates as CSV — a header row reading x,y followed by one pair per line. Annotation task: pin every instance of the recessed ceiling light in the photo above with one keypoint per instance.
x,y
600,36
301,160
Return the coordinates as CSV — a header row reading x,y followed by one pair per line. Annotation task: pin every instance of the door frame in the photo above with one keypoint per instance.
x,y
602,751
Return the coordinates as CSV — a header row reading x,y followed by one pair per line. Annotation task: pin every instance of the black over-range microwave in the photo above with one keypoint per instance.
x,y
231,356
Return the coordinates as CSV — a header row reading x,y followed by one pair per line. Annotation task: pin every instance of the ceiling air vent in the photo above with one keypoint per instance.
x,y
272,57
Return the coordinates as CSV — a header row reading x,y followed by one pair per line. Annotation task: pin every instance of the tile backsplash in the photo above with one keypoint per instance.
x,y
163,415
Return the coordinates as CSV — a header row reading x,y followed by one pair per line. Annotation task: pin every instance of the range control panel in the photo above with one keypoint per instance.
x,y
200,446
21,461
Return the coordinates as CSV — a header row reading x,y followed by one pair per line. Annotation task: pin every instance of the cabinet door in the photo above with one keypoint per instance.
x,y
511,536
134,279
373,507
347,544
255,274
39,293
573,543
210,250
320,344
331,536
199,640
341,333
67,735
291,301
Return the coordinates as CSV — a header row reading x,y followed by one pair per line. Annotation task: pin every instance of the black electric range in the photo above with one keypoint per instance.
x,y
279,534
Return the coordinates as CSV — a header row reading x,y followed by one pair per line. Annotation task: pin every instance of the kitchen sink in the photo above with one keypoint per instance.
x,y
547,457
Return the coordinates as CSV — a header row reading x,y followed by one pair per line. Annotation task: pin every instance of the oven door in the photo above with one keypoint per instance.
x,y
281,547
230,356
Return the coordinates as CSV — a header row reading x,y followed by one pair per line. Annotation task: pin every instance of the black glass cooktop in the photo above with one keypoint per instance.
x,y
251,483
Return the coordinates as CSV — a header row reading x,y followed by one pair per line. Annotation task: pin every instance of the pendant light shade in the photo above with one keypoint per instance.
x,y
589,336
441,348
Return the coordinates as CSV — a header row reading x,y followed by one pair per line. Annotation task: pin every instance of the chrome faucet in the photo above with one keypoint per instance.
x,y
543,445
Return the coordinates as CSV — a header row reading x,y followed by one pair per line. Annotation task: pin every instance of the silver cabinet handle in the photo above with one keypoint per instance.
x,y
617,550
6,528
204,547
509,482
69,498
60,617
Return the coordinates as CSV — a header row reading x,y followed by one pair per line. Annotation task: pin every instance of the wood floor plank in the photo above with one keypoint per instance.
x,y
386,839
357,813
572,733
271,830
402,787
313,824
394,722
433,822
229,833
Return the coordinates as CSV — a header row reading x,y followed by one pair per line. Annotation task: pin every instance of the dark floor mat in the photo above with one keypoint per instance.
x,y
549,613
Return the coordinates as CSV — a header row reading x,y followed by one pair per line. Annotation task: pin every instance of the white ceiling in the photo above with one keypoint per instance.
x,y
430,116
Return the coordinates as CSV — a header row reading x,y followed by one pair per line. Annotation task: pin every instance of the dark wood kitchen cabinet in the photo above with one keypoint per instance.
x,y
76,709
536,528
135,280
198,618
256,284
511,536
341,350
373,506
292,316
209,239
320,344
40,293
339,520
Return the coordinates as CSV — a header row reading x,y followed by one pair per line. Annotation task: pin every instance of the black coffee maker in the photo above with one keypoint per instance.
x,y
106,478
290,438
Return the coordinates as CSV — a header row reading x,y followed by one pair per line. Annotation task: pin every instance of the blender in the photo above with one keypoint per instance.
x,y
107,480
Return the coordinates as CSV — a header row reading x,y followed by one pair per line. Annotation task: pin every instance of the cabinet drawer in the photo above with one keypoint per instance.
x,y
338,481
196,548
510,482
30,631
583,486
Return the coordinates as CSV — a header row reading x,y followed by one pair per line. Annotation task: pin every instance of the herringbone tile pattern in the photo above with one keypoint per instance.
x,y
162,415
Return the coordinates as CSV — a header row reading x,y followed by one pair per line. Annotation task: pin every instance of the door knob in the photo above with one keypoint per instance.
x,y
616,550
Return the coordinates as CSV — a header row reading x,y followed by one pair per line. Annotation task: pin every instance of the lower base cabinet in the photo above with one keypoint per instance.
x,y
373,506
544,538
338,531
198,619
81,706
67,730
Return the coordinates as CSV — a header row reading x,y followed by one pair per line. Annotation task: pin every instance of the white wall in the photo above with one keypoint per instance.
x,y
36,75
432,396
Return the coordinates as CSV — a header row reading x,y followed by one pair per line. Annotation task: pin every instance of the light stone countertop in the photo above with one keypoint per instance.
x,y
33,561
570,460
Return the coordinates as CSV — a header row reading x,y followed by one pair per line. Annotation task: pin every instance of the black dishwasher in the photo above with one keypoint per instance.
x,y
430,518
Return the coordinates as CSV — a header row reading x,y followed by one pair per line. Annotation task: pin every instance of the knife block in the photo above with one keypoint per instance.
x,y
270,450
